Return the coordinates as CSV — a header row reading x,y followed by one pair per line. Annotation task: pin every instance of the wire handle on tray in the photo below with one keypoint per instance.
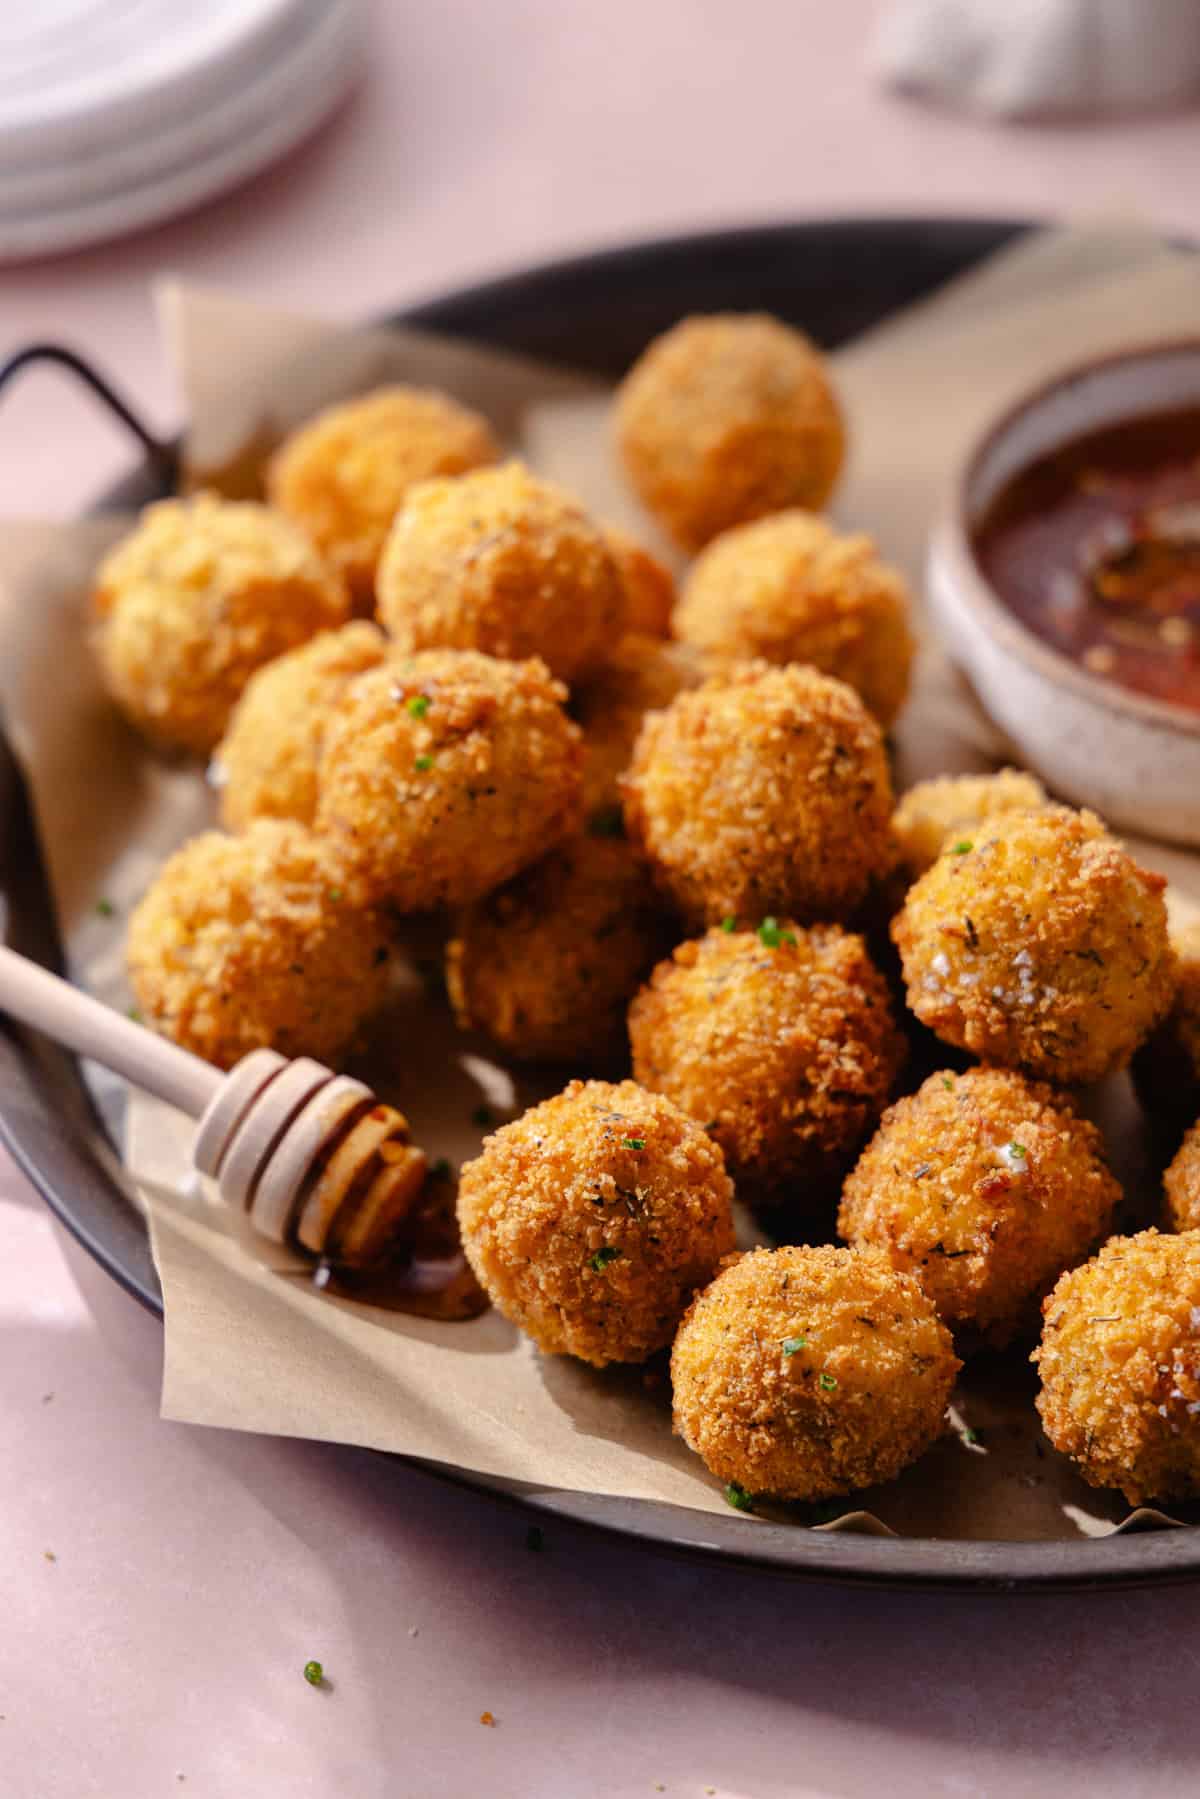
x,y
312,1157
162,455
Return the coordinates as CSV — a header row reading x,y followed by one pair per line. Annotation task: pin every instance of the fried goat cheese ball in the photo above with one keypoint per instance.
x,y
807,1373
266,764
726,418
986,1186
782,1043
1120,1366
1038,944
252,942
1166,1069
592,1220
501,562
446,773
765,792
791,589
643,675
201,594
936,814
547,964
649,584
344,475
1181,1185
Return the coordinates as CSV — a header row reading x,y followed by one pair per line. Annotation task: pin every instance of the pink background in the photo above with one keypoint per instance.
x,y
194,1572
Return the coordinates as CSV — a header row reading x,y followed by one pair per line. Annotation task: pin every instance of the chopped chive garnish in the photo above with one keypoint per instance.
x,y
600,1261
792,1344
828,1381
314,1673
635,1142
728,925
771,933
423,762
962,846
335,896
135,1015
948,1082
737,1496
1017,1149
418,705
105,908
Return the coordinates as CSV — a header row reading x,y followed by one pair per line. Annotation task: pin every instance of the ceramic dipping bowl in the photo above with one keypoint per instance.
x,y
1135,759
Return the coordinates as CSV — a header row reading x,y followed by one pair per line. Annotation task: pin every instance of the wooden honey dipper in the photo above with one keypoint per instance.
x,y
311,1157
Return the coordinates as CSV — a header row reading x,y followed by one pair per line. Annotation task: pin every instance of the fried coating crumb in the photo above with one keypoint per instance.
x,y
265,766
764,792
649,584
547,964
446,773
201,594
1166,1069
786,1050
643,675
1039,944
343,476
791,589
953,808
806,1373
501,562
1120,1366
253,942
1181,1185
985,1185
592,1220
726,418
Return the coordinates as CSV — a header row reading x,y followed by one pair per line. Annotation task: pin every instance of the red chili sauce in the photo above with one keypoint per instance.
x,y
1096,548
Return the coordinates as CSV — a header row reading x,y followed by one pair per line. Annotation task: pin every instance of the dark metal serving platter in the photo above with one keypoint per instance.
x,y
836,279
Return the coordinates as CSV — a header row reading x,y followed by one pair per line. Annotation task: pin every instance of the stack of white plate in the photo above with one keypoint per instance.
x,y
115,114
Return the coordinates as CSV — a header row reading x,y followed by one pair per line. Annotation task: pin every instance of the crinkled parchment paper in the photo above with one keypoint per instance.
x,y
249,1344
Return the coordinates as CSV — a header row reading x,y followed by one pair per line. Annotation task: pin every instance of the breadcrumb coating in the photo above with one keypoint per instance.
x,y
649,584
200,594
1181,1185
806,1373
791,589
765,791
501,562
253,942
1120,1366
547,964
986,1186
954,807
785,1050
1166,1069
446,773
344,475
1038,944
726,418
643,675
265,766
592,1220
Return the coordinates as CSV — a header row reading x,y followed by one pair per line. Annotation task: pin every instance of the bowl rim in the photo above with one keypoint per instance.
x,y
981,598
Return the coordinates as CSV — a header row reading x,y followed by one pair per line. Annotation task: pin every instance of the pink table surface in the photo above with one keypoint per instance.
x,y
161,1588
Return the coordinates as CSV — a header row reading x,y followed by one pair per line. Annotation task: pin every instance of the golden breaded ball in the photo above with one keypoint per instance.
x,y
649,584
1166,1069
726,418
806,1373
445,773
501,562
986,1186
1181,1185
792,589
1039,944
782,1043
765,792
265,766
199,595
592,1220
344,475
1120,1366
643,675
950,808
547,964
253,942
